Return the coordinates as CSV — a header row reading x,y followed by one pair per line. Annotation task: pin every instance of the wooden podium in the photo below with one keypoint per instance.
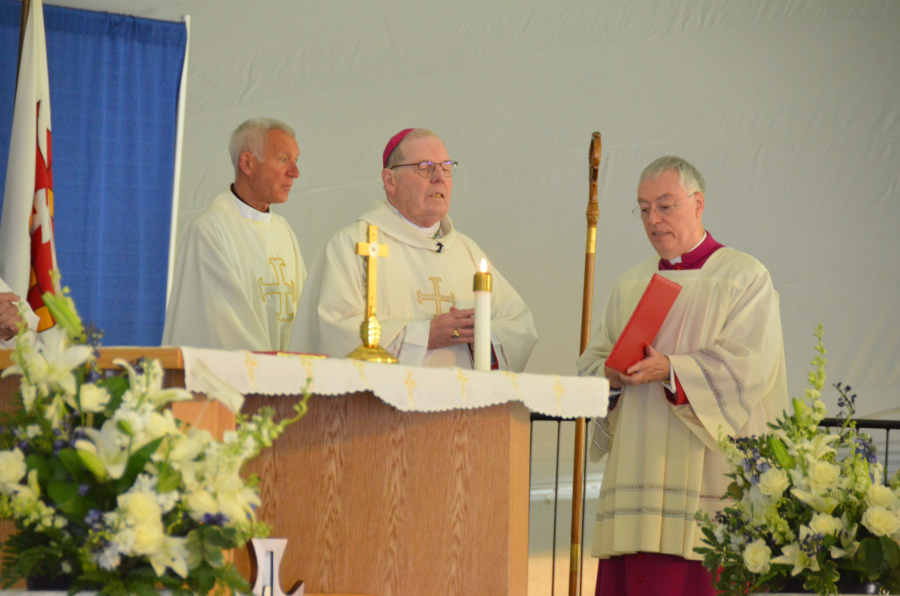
x,y
377,501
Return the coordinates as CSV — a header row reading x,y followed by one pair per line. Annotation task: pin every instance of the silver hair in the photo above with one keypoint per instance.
x,y
396,155
252,136
688,176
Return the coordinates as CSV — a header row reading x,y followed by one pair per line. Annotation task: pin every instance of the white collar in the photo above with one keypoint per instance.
x,y
248,212
428,232
677,259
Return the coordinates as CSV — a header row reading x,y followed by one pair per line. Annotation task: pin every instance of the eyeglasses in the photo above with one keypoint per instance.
x,y
426,168
643,213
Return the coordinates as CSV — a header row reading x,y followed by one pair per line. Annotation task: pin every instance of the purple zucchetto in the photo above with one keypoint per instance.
x,y
392,144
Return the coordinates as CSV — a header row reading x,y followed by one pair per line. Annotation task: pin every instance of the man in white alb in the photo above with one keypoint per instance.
x,y
425,298
239,271
716,365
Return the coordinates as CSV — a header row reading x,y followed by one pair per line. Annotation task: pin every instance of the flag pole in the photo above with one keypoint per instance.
x,y
26,7
593,214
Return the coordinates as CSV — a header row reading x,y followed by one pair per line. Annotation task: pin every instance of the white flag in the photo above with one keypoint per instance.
x,y
27,246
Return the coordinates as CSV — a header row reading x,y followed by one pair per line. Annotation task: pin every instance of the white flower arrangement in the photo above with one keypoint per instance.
x,y
107,487
800,515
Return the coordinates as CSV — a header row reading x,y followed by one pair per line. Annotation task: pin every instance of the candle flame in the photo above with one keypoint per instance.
x,y
484,265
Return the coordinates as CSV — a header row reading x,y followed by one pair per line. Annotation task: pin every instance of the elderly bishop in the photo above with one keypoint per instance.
x,y
716,366
239,271
425,296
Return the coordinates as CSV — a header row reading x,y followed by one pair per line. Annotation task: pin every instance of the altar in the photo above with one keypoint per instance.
x,y
399,480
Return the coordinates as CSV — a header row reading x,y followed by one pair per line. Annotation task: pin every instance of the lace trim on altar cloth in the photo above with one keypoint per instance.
x,y
407,388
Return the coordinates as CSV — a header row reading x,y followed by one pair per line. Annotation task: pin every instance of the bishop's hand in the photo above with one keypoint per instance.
x,y
652,369
451,328
9,315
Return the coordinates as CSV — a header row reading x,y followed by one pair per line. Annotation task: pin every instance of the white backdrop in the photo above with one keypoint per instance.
x,y
791,109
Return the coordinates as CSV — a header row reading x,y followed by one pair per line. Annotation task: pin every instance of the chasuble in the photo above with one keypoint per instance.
x,y
237,280
723,339
421,278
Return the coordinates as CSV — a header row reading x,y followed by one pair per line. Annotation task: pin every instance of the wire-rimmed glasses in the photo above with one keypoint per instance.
x,y
426,168
664,210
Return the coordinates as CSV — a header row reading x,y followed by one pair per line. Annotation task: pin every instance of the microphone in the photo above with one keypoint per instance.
x,y
440,248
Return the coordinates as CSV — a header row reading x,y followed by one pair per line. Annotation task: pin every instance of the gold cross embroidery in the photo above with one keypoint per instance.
x,y
252,365
361,367
410,383
463,381
436,297
512,379
307,363
559,390
280,288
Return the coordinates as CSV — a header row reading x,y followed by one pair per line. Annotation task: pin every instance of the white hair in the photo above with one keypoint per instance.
x,y
252,136
688,176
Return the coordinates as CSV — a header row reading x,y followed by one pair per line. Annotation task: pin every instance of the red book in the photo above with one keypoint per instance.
x,y
644,323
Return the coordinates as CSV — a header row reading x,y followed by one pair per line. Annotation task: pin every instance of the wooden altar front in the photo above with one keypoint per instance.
x,y
378,501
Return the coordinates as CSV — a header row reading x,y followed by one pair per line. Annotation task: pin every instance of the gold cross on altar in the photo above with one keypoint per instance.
x,y
436,297
371,250
281,289
370,330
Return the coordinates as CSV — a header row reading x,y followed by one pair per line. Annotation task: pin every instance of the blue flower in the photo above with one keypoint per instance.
x,y
94,518
215,519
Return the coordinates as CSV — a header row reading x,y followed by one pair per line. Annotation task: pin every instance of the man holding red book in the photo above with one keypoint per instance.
x,y
716,365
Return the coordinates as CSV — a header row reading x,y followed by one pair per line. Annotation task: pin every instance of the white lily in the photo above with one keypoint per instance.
x,y
54,363
819,446
816,501
108,446
148,386
793,555
172,554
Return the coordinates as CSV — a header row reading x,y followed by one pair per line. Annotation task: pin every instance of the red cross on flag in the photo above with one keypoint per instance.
x,y
27,246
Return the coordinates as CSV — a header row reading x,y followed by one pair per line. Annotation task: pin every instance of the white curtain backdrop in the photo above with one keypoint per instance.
x,y
791,109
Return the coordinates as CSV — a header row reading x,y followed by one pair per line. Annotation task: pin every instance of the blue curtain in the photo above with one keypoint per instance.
x,y
114,83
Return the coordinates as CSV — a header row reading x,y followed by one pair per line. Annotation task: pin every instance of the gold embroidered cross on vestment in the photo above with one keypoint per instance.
x,y
437,298
282,289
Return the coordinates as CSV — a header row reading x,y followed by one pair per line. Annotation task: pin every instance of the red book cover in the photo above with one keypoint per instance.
x,y
644,323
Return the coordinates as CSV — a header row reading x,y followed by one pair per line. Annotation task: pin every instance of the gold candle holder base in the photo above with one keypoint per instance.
x,y
376,354
370,351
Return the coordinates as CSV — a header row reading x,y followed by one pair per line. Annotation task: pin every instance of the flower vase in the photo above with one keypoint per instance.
x,y
49,584
843,590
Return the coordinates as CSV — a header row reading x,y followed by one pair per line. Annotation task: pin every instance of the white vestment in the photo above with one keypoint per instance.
x,y
723,338
237,280
415,283
31,319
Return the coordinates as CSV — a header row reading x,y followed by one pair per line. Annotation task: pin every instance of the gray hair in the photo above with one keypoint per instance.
x,y
397,156
252,136
688,176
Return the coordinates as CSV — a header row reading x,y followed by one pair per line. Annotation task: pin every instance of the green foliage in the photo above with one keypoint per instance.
x,y
105,486
798,516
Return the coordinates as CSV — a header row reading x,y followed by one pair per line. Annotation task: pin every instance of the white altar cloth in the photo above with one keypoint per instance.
x,y
407,388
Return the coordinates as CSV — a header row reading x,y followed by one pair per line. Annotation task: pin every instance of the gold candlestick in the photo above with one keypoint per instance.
x,y
370,330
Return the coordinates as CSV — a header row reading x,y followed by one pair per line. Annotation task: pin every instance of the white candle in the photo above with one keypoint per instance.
x,y
482,347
